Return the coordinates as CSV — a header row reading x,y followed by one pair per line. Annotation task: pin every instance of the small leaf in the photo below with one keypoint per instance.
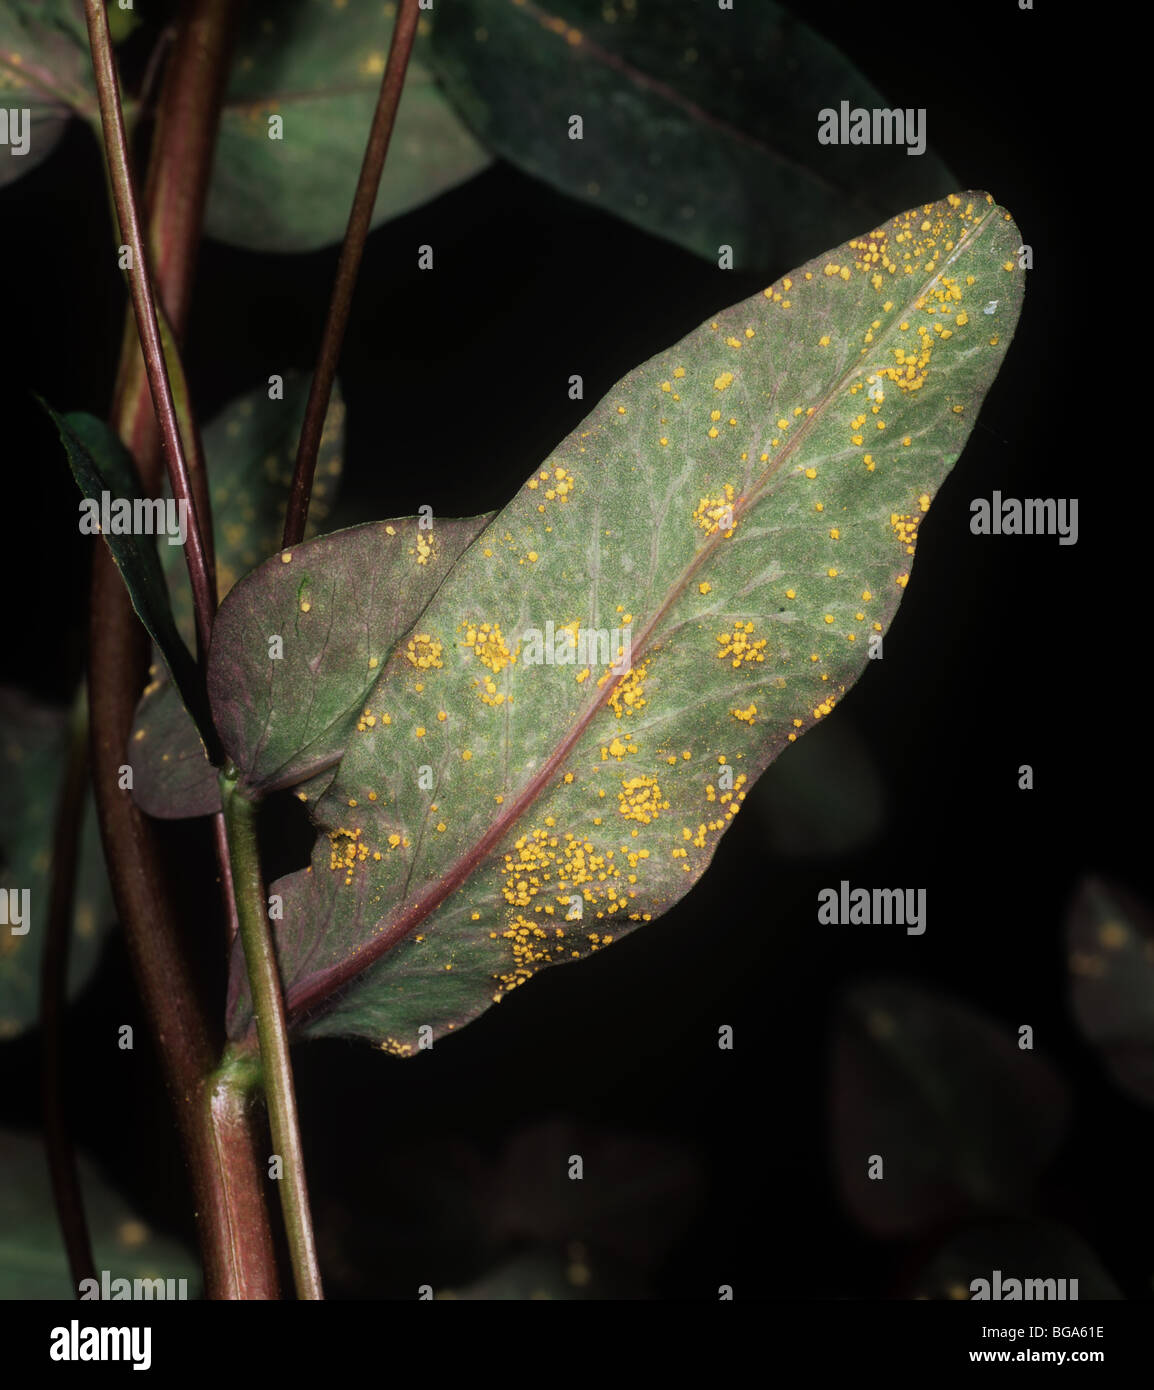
x,y
745,506
337,604
33,755
319,68
1110,939
101,465
697,126
33,1264
957,1113
289,706
46,69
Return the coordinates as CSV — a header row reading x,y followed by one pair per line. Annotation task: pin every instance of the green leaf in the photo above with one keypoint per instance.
x,y
33,756
697,126
101,464
46,69
319,67
33,1264
735,505
1110,939
957,1111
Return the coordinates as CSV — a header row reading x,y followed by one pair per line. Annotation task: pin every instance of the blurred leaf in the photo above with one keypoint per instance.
x,y
699,126
46,69
823,797
1110,939
1021,1250
957,1112
547,1276
745,495
250,453
634,1202
319,67
33,1264
33,753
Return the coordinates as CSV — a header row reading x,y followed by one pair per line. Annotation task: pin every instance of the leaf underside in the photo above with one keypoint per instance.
x,y
745,505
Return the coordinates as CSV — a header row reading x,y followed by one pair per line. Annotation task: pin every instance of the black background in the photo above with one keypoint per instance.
x,y
1005,651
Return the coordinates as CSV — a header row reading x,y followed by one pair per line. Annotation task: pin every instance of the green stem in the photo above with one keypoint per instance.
x,y
268,1007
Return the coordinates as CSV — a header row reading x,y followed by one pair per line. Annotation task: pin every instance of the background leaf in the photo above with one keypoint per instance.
x,y
723,501
33,1264
250,452
45,67
1110,939
699,126
319,66
958,1113
32,755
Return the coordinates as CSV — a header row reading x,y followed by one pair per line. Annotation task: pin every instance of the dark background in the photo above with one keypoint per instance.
x,y
1005,651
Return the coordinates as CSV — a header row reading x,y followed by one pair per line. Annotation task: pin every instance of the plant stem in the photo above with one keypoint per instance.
x,y
66,1188
268,1008
360,219
140,282
216,1127
228,1191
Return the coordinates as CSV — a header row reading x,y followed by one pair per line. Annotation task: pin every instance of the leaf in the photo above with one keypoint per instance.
x,y
736,497
33,754
640,1205
33,1264
319,67
1021,1250
289,717
1110,939
944,1096
101,464
46,69
250,452
698,127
